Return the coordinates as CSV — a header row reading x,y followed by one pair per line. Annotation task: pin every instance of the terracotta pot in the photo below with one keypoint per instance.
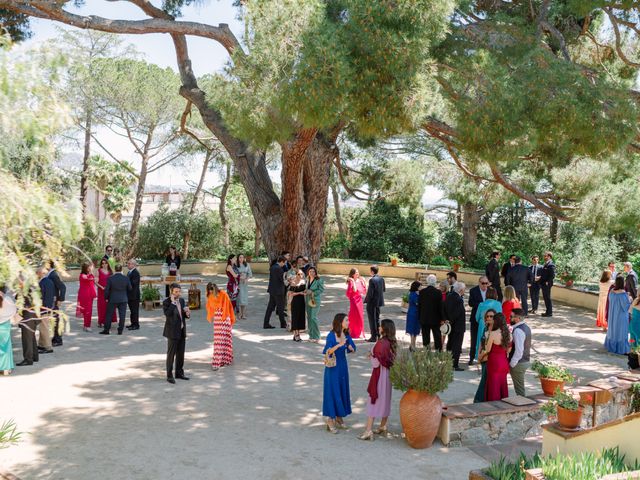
x,y
148,304
456,267
394,262
569,283
569,418
549,386
420,415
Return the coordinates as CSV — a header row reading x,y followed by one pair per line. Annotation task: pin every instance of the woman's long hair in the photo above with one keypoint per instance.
x,y
336,325
105,261
619,285
499,322
317,277
229,258
509,293
212,288
606,276
244,262
352,272
389,332
492,294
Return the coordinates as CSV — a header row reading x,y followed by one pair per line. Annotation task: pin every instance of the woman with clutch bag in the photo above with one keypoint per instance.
x,y
379,389
487,326
315,289
336,398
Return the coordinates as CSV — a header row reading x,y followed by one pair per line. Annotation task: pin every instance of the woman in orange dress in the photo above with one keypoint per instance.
x,y
220,312
510,302
605,286
356,290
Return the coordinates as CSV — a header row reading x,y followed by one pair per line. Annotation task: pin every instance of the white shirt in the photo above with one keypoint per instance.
x,y
484,294
518,344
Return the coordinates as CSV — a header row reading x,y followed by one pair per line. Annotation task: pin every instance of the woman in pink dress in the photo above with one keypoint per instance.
x,y
379,389
86,295
356,290
104,272
498,347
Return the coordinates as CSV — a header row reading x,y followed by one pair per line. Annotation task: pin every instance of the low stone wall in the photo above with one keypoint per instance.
x,y
575,298
491,423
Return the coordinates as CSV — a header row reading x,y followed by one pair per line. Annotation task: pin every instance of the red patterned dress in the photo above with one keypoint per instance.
x,y
220,313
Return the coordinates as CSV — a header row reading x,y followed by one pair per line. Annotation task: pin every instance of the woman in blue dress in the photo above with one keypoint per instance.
x,y
617,339
490,303
413,320
336,399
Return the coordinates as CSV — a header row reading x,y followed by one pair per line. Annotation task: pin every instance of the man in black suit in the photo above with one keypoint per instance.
x,y
534,288
134,295
175,331
452,277
116,293
477,295
28,326
455,314
519,277
546,282
430,313
492,271
276,293
48,295
631,280
506,267
374,300
60,290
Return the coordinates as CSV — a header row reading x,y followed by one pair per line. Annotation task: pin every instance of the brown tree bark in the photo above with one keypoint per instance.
x,y
470,218
85,164
553,229
194,203
338,211
137,208
222,209
257,242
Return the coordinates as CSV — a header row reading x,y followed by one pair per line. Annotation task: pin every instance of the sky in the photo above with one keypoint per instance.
x,y
207,56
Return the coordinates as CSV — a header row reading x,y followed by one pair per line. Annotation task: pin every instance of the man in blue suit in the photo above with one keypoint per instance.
x,y
477,295
116,293
374,300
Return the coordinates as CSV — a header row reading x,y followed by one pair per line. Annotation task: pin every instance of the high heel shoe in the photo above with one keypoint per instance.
x,y
381,431
341,425
368,436
331,428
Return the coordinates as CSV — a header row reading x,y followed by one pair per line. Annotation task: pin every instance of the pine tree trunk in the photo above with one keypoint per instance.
x,y
137,209
85,164
256,243
470,220
224,220
338,211
553,229
194,203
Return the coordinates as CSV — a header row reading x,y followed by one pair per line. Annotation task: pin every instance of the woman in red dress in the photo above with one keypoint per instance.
x,y
232,280
86,295
104,272
498,347
356,290
510,303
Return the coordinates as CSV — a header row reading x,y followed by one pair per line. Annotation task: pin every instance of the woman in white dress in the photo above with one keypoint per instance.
x,y
244,274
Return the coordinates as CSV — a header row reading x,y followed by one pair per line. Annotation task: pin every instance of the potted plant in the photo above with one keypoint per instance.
x,y
456,263
394,258
551,376
633,355
149,295
404,306
421,375
565,408
567,278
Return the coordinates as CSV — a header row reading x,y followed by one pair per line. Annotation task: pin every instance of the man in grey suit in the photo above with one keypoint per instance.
x,y
116,293
374,300
519,277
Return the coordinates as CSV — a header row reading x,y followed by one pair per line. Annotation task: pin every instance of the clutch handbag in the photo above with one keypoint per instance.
x,y
329,360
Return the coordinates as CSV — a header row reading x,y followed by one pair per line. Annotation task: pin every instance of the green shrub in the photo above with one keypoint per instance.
x,y
552,371
439,261
9,434
422,370
149,293
335,246
382,228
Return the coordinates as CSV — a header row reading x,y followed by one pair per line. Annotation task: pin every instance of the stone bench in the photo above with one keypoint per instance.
x,y
491,423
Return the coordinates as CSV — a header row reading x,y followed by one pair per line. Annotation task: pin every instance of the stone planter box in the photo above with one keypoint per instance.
x,y
478,475
536,474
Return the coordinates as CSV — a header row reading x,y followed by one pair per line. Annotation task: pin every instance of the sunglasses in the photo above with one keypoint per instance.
x,y
484,283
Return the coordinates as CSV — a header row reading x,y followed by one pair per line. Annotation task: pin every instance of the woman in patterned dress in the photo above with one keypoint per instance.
x,y
232,279
220,313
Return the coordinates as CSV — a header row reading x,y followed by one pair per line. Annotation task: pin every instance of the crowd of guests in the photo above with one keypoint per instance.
x,y
619,308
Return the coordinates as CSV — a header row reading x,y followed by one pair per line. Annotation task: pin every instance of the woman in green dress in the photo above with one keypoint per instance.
x,y
634,324
315,289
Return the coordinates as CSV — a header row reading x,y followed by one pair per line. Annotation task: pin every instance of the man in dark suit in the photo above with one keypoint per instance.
x,y
108,251
116,293
519,277
534,289
492,271
60,292
48,295
546,282
631,280
374,300
506,267
175,331
477,295
430,313
276,294
134,295
452,277
455,314
28,327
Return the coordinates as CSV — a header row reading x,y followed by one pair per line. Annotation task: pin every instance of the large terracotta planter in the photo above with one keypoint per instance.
x,y
420,415
549,386
569,418
394,262
456,267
